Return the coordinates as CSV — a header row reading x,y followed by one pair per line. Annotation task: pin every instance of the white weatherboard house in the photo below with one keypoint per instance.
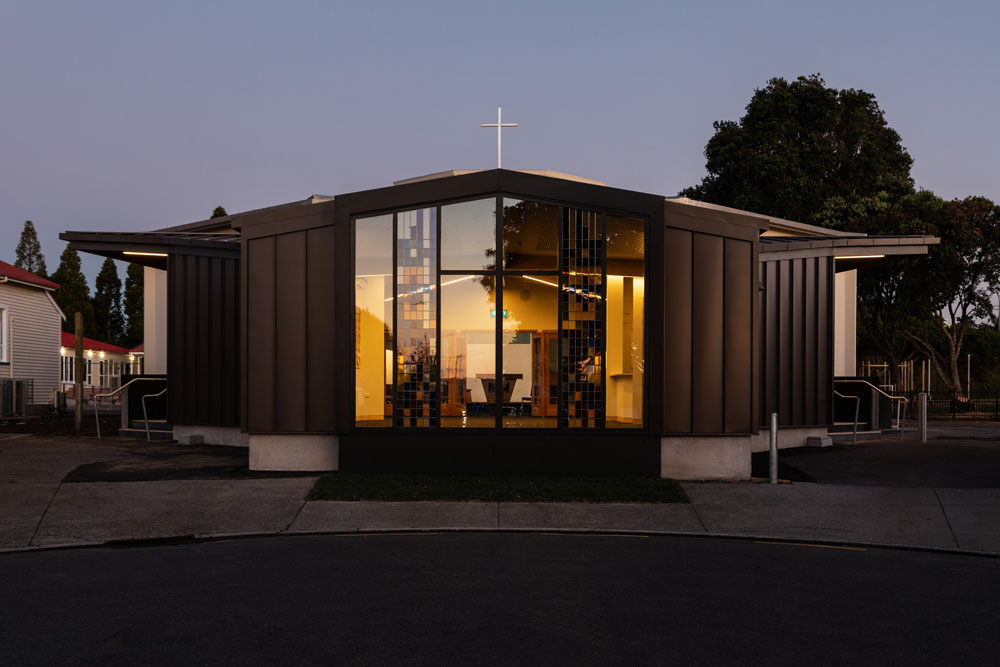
x,y
30,325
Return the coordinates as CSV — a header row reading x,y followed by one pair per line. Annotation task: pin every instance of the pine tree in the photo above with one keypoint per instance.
x,y
73,295
29,252
134,305
219,212
108,319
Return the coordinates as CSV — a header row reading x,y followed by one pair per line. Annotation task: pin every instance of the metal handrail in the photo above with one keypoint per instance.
x,y
145,417
902,400
97,403
857,411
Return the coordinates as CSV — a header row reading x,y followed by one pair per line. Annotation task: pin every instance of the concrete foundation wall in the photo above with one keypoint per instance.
x,y
705,457
787,437
215,435
294,452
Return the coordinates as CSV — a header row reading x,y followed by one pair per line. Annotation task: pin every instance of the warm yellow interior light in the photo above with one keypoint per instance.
x,y
859,256
145,254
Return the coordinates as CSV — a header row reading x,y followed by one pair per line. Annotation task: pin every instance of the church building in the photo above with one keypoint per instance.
x,y
500,320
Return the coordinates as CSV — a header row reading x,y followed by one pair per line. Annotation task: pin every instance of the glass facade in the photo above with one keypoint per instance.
x,y
549,336
468,351
373,340
416,318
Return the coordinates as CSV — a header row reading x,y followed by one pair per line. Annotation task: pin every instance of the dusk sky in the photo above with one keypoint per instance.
x,y
137,115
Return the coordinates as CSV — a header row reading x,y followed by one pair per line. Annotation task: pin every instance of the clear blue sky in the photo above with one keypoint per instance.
x,y
135,115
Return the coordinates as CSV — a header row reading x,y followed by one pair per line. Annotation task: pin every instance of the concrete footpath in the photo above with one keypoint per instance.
x,y
57,492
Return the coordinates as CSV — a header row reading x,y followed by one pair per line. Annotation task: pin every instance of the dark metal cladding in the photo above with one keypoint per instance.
x,y
797,333
203,347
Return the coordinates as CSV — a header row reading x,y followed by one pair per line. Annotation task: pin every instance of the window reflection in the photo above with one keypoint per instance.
x,y
468,352
530,235
625,290
468,235
530,351
373,343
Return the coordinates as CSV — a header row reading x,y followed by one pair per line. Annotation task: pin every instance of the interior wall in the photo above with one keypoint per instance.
x,y
154,325
845,295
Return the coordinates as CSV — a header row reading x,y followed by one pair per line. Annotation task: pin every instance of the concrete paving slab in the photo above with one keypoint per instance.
x,y
350,516
21,508
34,459
143,510
974,515
653,517
876,515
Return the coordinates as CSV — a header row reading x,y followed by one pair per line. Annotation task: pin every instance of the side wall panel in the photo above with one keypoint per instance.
x,y
677,328
707,334
203,340
260,375
796,329
741,290
291,377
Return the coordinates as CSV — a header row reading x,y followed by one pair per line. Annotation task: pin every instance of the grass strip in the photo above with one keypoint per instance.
x,y
499,488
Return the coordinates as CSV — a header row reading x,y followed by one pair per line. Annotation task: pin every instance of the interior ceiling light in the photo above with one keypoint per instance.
x,y
859,256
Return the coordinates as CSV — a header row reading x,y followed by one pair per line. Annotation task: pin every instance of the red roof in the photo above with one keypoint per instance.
x,y
139,348
22,276
69,340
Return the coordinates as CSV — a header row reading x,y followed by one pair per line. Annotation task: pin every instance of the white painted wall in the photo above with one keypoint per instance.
x,y
154,327
32,330
845,323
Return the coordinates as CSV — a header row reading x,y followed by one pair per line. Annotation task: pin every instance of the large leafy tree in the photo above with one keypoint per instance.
x,y
29,251
802,147
219,212
134,305
73,295
957,288
108,319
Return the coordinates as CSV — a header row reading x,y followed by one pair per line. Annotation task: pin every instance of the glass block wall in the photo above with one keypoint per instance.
x,y
581,344
416,318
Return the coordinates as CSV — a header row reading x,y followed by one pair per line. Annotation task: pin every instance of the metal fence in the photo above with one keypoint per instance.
x,y
949,405
15,396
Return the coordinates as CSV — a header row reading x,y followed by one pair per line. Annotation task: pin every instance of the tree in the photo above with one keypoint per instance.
x,y
889,300
219,212
801,148
108,319
73,295
957,288
29,251
134,305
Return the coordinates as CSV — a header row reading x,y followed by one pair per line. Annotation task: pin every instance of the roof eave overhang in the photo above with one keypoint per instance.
x,y
849,253
146,249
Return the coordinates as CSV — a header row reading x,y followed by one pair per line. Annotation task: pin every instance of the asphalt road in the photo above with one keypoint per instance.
x,y
497,599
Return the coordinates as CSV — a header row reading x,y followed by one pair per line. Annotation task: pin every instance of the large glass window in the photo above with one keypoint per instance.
x,y
468,235
530,235
530,367
550,335
626,290
468,351
373,340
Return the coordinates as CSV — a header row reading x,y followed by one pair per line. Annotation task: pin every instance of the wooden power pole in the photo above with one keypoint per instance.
x,y
78,371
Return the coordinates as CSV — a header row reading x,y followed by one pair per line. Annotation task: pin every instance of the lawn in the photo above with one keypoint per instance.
x,y
499,488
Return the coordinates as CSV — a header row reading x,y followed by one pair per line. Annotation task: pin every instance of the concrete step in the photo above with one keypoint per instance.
x,y
140,433
154,425
848,427
839,437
